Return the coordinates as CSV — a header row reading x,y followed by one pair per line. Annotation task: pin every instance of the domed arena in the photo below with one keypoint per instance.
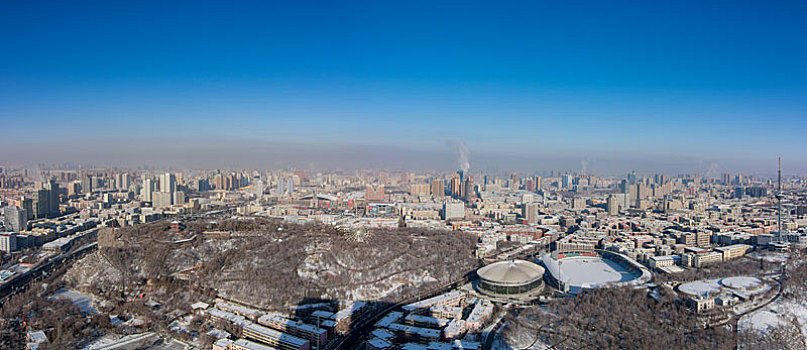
x,y
511,277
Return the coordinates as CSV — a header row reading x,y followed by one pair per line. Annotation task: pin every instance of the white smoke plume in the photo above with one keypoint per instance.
x,y
465,154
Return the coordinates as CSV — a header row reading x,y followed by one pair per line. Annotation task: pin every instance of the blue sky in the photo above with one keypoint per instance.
x,y
530,85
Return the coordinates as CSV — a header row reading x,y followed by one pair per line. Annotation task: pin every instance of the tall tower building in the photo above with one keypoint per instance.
x,y
122,181
168,183
28,205
613,205
41,203
468,189
53,198
87,184
456,186
147,190
438,188
167,194
566,181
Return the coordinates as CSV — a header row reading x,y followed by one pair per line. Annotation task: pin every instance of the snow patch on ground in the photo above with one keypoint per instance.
x,y
83,301
775,314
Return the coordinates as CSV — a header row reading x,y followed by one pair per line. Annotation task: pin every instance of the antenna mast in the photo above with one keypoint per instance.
x,y
779,199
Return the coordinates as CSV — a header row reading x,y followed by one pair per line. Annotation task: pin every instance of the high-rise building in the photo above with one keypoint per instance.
x,y
438,188
41,203
578,203
229,182
147,190
218,182
203,185
468,191
726,178
87,184
613,205
178,197
456,186
123,181
566,181
8,242
631,178
53,198
16,219
28,205
739,192
168,183
161,199
285,186
73,188
258,186
529,185
530,212
419,189
167,195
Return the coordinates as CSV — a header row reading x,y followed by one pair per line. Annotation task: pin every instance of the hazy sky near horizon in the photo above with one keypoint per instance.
x,y
653,86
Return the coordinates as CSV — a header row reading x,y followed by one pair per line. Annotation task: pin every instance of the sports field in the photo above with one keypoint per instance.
x,y
589,272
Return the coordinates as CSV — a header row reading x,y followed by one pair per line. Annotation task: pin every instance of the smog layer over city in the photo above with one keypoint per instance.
x,y
374,175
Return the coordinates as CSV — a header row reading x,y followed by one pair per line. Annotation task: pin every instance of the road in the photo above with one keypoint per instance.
x,y
20,283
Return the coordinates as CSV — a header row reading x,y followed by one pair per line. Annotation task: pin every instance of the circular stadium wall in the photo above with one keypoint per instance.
x,y
572,271
511,277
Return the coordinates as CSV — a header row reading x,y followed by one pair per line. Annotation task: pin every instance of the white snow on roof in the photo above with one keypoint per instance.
x,y
741,282
698,288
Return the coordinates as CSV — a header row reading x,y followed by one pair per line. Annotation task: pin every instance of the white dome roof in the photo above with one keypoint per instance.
x,y
511,272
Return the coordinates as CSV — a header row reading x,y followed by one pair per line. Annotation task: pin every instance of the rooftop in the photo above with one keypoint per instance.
x,y
511,272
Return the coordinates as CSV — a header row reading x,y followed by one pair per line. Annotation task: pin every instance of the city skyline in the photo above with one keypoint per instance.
x,y
654,87
420,175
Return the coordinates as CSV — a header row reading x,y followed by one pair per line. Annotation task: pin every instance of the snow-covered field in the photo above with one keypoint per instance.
x,y
775,314
588,272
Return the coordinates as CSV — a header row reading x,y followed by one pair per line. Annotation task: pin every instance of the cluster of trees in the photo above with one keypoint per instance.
x,y
734,267
788,334
795,282
619,318
267,268
266,262
784,336
64,323
403,255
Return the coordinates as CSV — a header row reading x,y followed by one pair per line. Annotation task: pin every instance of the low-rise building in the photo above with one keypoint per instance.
x,y
275,338
733,251
656,262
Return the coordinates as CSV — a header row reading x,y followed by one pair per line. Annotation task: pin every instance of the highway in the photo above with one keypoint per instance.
x,y
20,282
